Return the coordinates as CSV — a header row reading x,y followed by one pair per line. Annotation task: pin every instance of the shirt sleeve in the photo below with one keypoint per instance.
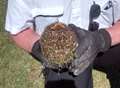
x,y
18,16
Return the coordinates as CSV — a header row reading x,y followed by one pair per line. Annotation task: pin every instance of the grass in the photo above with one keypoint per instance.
x,y
2,12
19,70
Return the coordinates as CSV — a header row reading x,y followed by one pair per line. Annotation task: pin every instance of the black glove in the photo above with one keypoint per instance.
x,y
37,54
90,44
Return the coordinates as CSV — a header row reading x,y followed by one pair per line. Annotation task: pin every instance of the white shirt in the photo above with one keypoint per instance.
x,y
20,13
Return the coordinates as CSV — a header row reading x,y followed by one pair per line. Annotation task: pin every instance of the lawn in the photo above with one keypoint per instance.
x,y
19,70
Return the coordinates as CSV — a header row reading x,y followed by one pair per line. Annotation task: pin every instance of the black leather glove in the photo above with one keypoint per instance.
x,y
37,54
90,44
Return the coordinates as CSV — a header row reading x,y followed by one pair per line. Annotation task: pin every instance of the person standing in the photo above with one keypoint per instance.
x,y
26,20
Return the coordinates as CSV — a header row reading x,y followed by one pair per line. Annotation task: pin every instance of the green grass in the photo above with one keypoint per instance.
x,y
19,70
2,12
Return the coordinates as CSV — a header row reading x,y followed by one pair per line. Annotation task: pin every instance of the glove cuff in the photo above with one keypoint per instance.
x,y
36,49
106,39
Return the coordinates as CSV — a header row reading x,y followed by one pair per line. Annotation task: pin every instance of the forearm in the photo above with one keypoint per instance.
x,y
114,32
25,39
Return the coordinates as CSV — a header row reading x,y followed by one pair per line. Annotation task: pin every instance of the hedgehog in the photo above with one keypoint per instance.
x,y
58,44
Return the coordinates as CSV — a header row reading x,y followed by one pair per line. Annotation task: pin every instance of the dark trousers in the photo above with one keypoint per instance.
x,y
67,80
108,62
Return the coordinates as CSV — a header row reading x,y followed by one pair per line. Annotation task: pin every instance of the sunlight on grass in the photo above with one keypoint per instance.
x,y
100,80
17,68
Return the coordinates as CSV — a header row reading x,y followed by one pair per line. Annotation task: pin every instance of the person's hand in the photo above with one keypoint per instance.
x,y
37,54
90,44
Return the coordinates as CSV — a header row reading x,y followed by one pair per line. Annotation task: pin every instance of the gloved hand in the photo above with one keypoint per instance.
x,y
37,54
90,44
